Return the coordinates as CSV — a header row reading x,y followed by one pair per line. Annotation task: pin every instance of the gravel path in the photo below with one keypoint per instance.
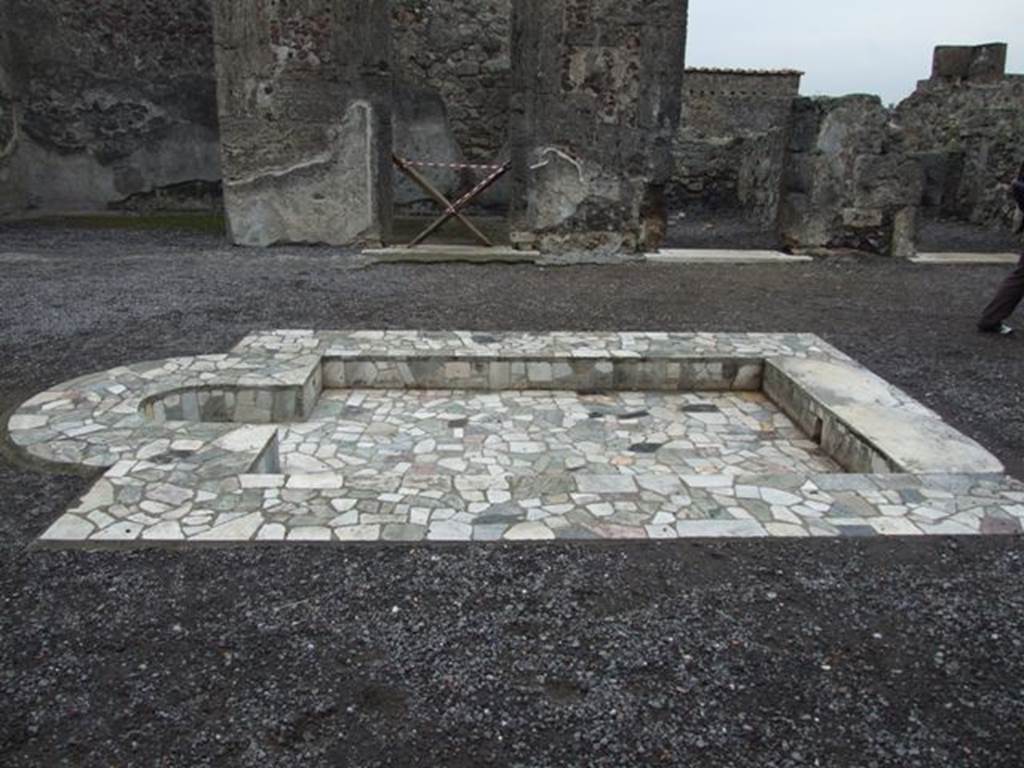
x,y
830,653
960,237
727,230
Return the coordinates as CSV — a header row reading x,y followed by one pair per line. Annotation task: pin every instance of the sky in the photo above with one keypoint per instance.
x,y
853,46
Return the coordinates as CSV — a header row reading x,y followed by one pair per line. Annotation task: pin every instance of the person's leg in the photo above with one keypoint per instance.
x,y
1010,294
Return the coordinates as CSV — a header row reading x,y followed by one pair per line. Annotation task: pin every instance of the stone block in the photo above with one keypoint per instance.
x,y
904,233
891,180
862,218
965,62
870,425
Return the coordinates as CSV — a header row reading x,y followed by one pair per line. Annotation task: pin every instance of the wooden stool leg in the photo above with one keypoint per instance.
x,y
443,201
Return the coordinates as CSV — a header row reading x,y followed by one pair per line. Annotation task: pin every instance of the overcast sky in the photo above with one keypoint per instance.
x,y
856,46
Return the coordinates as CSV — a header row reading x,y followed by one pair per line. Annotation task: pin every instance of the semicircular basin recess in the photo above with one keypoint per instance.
x,y
407,436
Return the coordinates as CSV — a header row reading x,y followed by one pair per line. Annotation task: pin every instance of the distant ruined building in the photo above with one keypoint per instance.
x,y
850,172
113,105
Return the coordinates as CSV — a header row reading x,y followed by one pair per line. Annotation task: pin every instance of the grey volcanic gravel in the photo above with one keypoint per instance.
x,y
744,653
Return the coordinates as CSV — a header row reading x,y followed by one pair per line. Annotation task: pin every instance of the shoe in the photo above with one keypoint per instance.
x,y
1002,329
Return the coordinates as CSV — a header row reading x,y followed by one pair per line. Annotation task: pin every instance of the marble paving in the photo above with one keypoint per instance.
x,y
456,436
427,432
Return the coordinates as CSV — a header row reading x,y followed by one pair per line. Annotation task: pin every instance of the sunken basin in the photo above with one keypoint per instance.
x,y
406,436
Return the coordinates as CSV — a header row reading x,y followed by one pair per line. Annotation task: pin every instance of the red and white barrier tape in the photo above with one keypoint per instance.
x,y
457,205
458,166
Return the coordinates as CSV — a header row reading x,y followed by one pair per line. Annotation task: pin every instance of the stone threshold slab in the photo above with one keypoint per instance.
x,y
440,254
954,259
711,256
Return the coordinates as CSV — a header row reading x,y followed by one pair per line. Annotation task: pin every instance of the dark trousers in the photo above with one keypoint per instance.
x,y
1006,300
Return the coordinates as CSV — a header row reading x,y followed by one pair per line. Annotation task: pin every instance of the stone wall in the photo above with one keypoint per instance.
x,y
304,95
112,104
459,49
978,63
730,150
11,194
452,70
147,139
969,136
115,99
849,181
859,175
596,99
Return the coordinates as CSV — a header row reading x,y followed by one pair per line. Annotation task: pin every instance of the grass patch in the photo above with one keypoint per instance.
x,y
202,223
405,228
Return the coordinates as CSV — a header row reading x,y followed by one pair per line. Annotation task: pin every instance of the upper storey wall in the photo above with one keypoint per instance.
x,y
461,52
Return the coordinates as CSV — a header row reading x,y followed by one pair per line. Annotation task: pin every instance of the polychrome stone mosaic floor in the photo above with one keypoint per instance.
x,y
413,433
408,436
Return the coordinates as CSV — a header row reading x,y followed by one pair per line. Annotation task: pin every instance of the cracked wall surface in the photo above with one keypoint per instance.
x,y
304,93
115,99
595,105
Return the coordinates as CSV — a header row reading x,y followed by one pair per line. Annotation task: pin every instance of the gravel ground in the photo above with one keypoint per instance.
x,y
860,653
961,237
725,230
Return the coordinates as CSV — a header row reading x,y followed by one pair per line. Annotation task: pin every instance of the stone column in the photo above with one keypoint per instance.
x,y
596,91
304,94
11,188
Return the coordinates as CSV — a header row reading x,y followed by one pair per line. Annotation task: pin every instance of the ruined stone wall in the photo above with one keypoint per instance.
x,y
459,49
115,99
597,88
859,175
730,149
969,136
305,99
11,193
452,76
849,181
978,63
112,104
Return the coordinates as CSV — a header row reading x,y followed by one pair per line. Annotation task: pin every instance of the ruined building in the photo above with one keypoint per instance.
x,y
113,104
850,172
